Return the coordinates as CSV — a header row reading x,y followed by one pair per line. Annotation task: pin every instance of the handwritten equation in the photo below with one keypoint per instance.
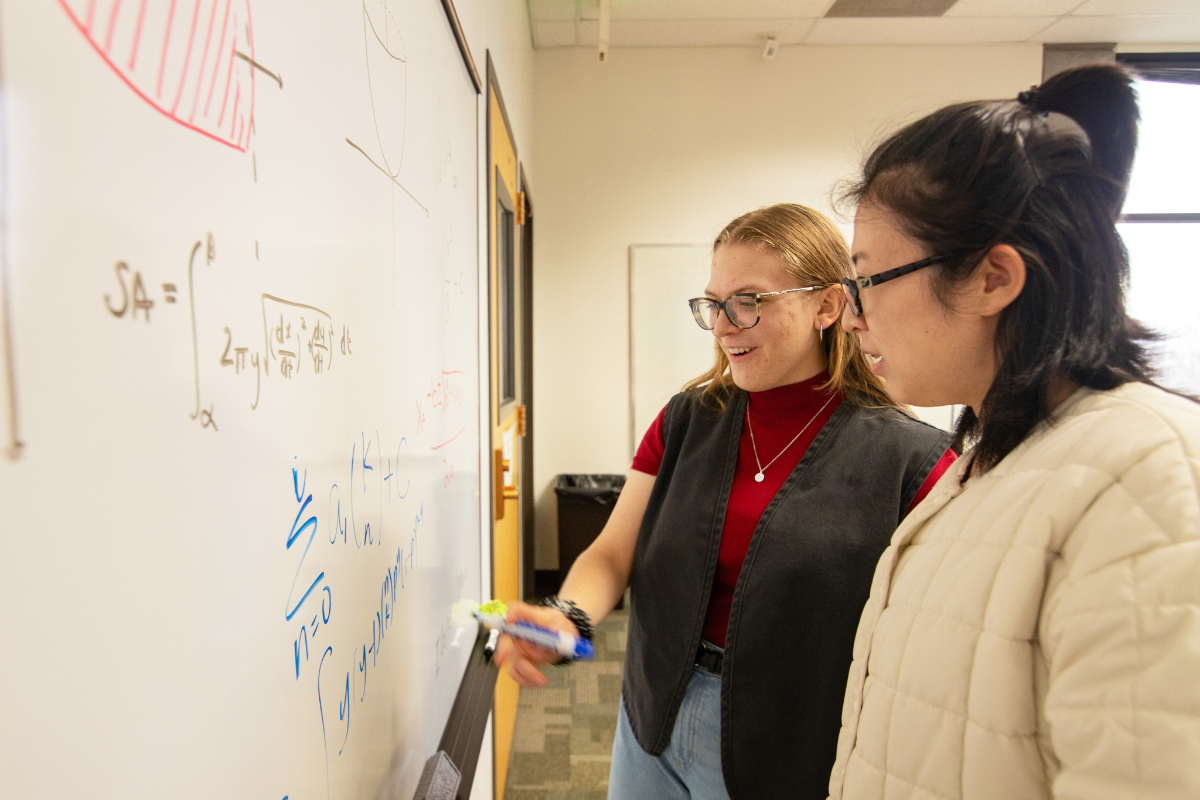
x,y
379,481
445,393
298,339
310,593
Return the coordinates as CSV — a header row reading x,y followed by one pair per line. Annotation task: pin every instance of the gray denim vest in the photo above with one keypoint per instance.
x,y
804,582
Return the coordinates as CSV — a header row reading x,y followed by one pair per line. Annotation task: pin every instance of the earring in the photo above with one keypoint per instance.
x,y
822,334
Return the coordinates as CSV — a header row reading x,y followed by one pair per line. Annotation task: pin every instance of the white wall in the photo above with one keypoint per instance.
x,y
666,145
502,27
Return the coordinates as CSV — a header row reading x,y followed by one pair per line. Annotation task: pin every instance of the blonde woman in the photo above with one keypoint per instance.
x,y
748,531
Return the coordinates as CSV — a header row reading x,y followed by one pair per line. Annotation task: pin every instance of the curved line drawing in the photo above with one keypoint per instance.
x,y
195,345
390,60
384,43
173,82
391,71
321,711
400,58
451,439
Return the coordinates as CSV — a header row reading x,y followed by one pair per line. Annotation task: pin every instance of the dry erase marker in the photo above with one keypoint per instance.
x,y
561,642
489,647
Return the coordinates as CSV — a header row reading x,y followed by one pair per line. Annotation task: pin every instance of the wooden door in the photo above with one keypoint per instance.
x,y
505,213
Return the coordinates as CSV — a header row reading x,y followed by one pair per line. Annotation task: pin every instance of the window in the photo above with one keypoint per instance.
x,y
1161,221
507,278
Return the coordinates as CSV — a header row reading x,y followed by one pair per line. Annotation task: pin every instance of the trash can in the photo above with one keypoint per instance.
x,y
584,505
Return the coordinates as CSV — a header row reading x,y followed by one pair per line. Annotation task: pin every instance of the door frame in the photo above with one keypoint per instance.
x,y
528,529
505,419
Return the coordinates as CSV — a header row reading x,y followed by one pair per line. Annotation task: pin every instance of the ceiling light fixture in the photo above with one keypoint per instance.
x,y
771,49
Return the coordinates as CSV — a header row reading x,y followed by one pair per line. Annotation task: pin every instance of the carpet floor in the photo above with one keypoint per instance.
x,y
562,743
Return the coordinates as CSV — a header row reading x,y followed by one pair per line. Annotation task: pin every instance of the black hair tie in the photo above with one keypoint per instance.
x,y
1029,98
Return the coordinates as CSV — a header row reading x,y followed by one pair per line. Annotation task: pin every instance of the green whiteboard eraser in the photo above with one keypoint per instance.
x,y
439,779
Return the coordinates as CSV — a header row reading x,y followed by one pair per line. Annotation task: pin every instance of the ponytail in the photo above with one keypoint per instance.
x,y
1045,173
1102,101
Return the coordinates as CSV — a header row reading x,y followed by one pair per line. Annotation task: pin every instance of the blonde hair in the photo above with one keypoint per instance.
x,y
814,252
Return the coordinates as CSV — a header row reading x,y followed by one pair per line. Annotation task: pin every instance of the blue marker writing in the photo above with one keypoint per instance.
x,y
561,642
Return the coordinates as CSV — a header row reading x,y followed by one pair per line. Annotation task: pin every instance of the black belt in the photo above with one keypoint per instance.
x,y
709,659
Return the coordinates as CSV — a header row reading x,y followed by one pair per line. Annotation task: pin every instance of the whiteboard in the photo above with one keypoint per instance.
x,y
666,346
242,268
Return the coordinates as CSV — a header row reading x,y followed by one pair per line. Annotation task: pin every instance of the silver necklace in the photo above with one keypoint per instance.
x,y
753,446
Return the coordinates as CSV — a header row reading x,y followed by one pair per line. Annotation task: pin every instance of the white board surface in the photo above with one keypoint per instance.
x,y
242,268
666,346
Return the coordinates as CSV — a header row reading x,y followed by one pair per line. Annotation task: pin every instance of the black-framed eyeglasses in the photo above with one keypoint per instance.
x,y
854,285
743,310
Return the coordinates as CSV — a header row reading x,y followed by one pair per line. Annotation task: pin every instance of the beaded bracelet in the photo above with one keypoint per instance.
x,y
579,618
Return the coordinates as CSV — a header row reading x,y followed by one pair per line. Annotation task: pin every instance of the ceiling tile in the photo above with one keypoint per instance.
x,y
943,30
679,23
1011,8
552,9
887,8
708,9
1122,29
554,33
696,33
1138,8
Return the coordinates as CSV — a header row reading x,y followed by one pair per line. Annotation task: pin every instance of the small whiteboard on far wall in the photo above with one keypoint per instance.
x,y
666,346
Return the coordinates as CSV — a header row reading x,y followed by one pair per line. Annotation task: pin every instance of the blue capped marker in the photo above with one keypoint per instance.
x,y
561,642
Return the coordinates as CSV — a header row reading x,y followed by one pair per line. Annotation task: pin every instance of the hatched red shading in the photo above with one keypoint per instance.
x,y
192,60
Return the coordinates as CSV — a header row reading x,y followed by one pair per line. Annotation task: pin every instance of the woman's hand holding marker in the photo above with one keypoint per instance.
x,y
521,659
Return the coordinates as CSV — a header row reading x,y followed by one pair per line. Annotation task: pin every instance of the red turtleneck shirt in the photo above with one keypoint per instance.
x,y
776,416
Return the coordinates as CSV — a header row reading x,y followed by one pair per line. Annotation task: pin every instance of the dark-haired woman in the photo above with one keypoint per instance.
x,y
748,531
1033,629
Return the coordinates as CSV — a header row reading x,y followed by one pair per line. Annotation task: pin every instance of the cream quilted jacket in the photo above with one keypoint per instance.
x,y
1036,633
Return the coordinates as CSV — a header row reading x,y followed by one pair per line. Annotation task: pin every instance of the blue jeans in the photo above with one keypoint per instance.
x,y
690,767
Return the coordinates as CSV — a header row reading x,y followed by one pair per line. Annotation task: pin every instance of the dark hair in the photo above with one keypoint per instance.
x,y
1045,174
